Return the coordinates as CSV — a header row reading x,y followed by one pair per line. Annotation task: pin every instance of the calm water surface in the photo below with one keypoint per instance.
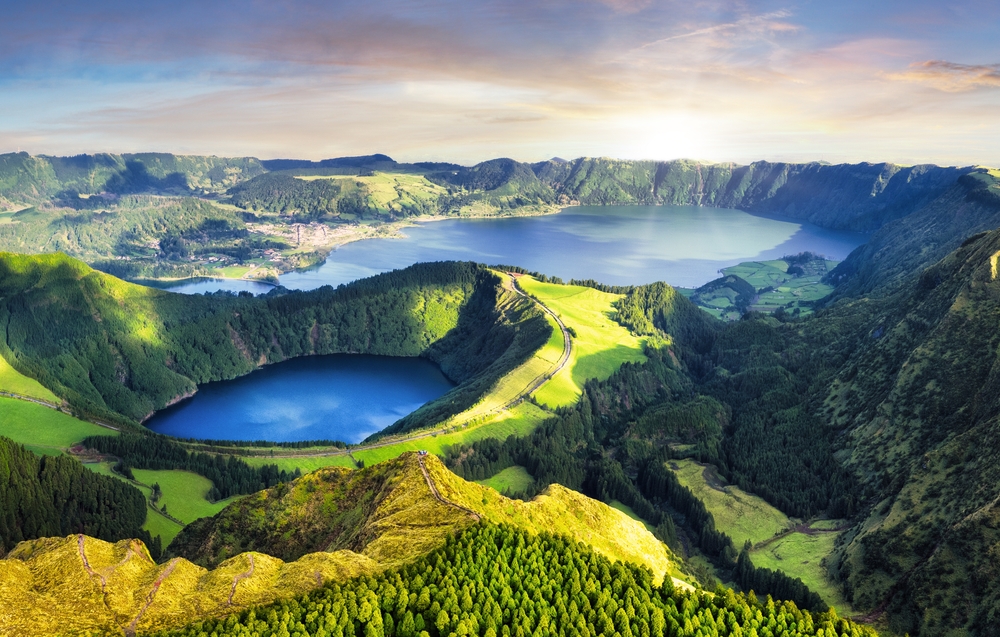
x,y
350,397
683,245
344,397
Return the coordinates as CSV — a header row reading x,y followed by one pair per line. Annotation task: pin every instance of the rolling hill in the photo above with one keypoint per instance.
x,y
77,583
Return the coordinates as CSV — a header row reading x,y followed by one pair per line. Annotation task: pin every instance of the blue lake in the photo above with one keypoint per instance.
x,y
350,397
344,397
685,246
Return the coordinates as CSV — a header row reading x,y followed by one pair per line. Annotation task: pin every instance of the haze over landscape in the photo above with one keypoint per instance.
x,y
566,318
909,82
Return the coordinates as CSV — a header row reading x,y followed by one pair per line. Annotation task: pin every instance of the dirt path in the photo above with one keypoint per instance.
x,y
86,562
130,629
567,348
239,578
437,495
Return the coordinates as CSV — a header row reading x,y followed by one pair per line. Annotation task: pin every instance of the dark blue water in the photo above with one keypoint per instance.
x,y
685,246
344,397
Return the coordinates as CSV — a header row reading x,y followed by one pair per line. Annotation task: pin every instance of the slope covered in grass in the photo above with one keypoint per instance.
x,y
15,382
120,351
600,346
340,523
42,427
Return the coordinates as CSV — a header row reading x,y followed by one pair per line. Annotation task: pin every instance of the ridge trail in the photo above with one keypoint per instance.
x,y
437,495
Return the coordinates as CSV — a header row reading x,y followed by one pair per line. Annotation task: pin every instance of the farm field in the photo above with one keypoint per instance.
x,y
801,555
600,346
156,523
741,515
42,428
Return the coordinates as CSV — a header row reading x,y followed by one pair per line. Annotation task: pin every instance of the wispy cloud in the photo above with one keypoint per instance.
x,y
450,79
950,76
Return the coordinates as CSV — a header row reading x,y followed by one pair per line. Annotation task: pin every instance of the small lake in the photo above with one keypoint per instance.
x,y
685,246
343,397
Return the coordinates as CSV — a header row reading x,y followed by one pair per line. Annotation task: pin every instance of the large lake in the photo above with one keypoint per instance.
x,y
685,246
344,397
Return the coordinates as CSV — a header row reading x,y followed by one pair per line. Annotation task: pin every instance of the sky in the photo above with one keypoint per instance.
x,y
469,80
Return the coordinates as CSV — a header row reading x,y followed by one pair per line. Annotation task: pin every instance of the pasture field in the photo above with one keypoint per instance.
x,y
519,420
156,523
740,515
42,428
305,465
600,346
760,274
801,555
743,516
15,382
184,493
514,479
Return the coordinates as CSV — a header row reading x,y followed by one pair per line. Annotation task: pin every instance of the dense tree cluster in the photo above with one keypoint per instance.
x,y
498,581
611,446
229,475
278,192
56,496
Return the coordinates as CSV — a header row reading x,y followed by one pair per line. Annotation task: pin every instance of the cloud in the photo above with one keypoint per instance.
x,y
951,76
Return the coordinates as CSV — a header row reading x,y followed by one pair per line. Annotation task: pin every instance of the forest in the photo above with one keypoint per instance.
x,y
499,581
56,496
119,351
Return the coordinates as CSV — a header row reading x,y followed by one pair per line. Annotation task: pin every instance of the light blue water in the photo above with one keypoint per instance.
x,y
343,397
685,246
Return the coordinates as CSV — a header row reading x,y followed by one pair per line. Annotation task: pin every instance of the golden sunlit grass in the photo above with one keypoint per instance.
x,y
47,590
559,510
600,346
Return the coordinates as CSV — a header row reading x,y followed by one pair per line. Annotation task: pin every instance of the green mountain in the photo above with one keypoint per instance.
x,y
920,406
27,179
354,523
120,351
858,197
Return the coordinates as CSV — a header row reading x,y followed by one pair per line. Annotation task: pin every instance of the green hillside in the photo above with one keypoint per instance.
x,y
119,351
494,580
79,583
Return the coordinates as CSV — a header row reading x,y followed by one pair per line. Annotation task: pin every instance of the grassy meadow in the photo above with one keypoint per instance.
x,y
514,479
184,493
15,382
743,516
43,429
600,346
156,523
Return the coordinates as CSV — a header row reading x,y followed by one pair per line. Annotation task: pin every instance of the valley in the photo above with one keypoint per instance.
x,y
815,430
